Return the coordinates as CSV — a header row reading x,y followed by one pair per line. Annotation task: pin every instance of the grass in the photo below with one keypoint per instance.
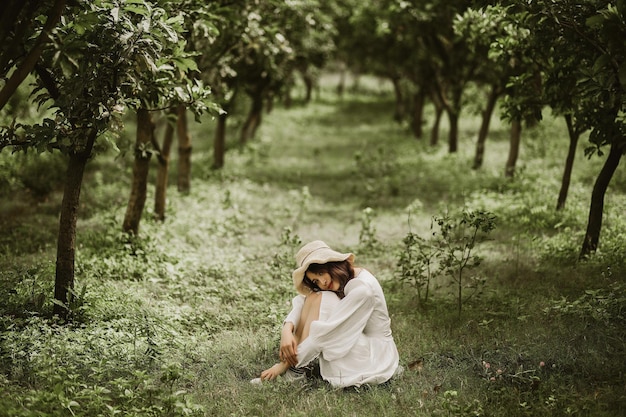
x,y
177,321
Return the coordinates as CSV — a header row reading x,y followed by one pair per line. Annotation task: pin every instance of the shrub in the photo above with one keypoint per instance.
x,y
417,264
368,242
603,305
450,252
40,173
378,171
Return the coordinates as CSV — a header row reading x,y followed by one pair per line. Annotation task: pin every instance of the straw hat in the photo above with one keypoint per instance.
x,y
316,252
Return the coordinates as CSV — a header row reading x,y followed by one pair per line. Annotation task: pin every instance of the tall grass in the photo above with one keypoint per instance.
x,y
178,320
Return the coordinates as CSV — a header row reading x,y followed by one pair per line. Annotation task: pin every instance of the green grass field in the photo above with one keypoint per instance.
x,y
177,321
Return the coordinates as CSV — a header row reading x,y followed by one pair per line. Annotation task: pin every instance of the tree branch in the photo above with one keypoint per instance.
x,y
28,64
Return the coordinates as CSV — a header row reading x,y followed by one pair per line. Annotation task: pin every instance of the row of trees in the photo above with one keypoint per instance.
x,y
566,55
91,61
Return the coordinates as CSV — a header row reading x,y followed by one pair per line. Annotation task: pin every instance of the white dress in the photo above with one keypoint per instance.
x,y
352,337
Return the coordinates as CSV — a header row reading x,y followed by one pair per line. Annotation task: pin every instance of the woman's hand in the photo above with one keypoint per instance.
x,y
288,345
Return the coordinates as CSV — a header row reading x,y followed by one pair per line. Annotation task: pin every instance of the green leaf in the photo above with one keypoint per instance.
x,y
186,64
179,19
149,62
595,21
171,33
137,10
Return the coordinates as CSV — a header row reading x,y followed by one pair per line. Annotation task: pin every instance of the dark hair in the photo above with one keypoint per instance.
x,y
341,271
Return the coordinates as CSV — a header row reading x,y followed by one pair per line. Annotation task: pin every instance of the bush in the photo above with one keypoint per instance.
x,y
40,174
99,370
450,252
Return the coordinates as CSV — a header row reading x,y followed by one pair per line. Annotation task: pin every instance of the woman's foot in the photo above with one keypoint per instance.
x,y
275,371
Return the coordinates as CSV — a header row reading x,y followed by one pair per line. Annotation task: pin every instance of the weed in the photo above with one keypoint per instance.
x,y
26,291
452,406
604,305
76,305
449,252
417,264
378,171
281,263
457,238
301,199
368,242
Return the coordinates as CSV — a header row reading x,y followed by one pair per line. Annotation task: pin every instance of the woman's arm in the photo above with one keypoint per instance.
x,y
288,343
336,337
296,309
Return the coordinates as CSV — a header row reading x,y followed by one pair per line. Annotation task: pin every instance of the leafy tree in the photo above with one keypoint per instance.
x,y
371,39
559,68
246,50
163,163
199,23
418,40
266,56
592,32
254,48
453,66
310,30
94,66
515,72
219,45
482,29
166,81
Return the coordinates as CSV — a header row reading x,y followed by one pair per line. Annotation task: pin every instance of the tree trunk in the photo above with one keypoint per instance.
x,y
184,151
341,84
418,113
434,131
219,141
453,136
66,243
594,224
253,120
269,103
307,78
492,98
569,162
160,193
454,112
515,139
399,112
137,200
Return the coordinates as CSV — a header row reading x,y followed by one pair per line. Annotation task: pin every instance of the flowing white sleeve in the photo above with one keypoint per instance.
x,y
294,315
336,337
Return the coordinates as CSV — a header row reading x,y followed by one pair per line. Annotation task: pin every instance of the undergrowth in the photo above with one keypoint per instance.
x,y
176,321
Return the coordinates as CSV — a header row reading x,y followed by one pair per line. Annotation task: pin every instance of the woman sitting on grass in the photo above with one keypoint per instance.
x,y
341,317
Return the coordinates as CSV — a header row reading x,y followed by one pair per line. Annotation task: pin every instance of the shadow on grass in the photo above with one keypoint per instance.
x,y
352,151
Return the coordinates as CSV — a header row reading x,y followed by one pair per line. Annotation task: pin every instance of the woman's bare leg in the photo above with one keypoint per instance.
x,y
310,313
